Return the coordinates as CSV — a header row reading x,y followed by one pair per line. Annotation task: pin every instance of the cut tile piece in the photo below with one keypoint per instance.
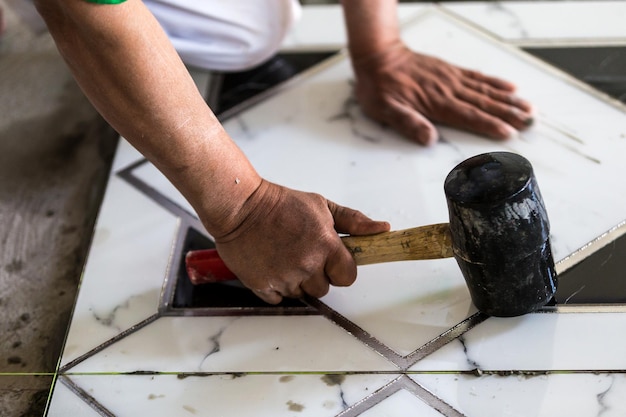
x,y
125,269
537,342
398,404
65,403
237,344
226,395
575,395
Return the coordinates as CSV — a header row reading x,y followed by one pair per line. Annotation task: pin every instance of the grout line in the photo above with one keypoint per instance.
x,y
157,197
445,338
168,288
108,343
356,331
373,399
82,394
472,372
402,362
429,398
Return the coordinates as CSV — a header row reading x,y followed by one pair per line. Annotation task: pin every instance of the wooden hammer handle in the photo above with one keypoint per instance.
x,y
425,242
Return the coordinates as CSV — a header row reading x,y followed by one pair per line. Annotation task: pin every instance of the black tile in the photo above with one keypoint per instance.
x,y
222,298
237,87
604,68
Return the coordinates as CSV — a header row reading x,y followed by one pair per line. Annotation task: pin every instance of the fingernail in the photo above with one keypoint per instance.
x,y
509,132
529,121
526,118
427,136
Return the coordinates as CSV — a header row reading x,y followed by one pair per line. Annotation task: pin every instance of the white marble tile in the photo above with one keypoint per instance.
x,y
572,395
152,176
236,395
65,403
550,22
549,342
125,155
321,26
125,268
417,302
202,79
238,344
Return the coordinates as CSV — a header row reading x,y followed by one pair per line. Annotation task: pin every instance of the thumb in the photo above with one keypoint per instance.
x,y
354,222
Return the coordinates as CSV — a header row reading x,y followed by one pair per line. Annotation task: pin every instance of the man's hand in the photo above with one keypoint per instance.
x,y
408,91
286,243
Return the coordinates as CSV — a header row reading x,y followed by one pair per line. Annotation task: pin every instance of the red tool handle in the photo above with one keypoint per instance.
x,y
205,266
424,242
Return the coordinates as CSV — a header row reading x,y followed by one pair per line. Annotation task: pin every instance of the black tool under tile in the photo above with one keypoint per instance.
x,y
223,298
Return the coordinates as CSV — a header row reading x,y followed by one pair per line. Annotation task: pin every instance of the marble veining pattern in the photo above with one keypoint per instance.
x,y
532,23
405,336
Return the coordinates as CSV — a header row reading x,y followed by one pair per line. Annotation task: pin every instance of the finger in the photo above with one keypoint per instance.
x,y
354,222
510,114
410,123
494,82
290,287
316,286
469,117
504,97
269,296
340,267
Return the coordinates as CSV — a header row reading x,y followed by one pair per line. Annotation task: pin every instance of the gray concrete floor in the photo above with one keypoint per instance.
x,y
55,154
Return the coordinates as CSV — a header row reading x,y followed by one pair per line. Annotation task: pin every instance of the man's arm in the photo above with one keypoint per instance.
x,y
408,90
127,67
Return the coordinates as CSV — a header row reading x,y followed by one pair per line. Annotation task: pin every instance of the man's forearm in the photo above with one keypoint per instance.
x,y
371,25
127,67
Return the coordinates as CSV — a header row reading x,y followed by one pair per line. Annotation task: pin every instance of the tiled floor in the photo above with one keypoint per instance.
x,y
405,339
